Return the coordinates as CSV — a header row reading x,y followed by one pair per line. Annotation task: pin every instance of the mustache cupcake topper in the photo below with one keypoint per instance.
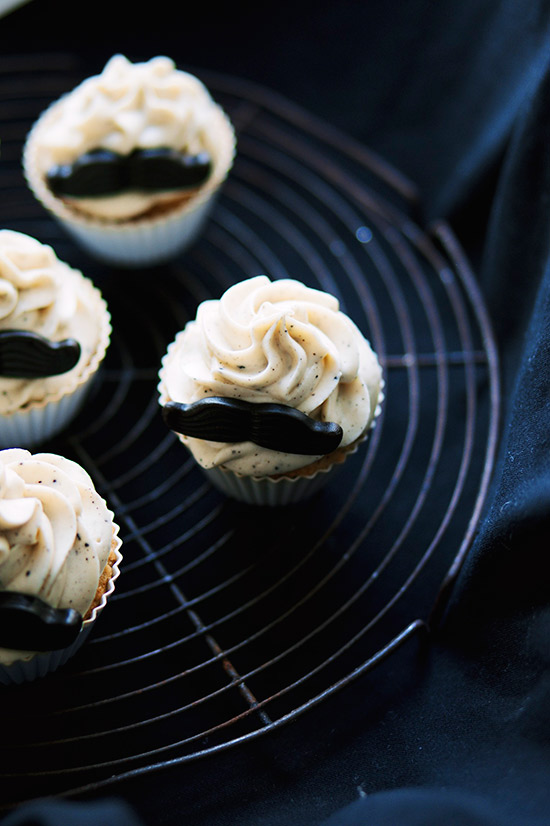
x,y
101,172
28,355
30,624
274,426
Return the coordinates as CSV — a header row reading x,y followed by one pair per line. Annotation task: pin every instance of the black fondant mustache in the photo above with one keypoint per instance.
x,y
28,355
30,624
102,172
274,426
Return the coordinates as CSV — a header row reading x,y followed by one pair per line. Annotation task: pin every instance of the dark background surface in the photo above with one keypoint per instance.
x,y
456,96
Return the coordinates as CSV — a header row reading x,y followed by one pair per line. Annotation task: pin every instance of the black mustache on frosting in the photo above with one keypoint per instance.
x,y
102,172
275,426
28,355
30,624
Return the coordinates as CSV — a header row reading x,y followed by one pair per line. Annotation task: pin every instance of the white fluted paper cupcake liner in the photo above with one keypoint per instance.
x,y
35,425
141,244
272,492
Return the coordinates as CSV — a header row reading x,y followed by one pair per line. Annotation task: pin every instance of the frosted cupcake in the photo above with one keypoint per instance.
x,y
54,332
130,161
270,387
59,559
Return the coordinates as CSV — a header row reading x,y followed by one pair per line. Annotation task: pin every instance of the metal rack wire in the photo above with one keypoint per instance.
x,y
228,620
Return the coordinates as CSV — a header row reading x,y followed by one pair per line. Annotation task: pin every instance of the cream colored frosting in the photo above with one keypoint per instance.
x,y
130,106
40,293
273,341
55,531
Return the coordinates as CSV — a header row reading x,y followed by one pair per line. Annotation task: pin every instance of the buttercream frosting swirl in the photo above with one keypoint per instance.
x,y
273,341
55,530
130,106
42,294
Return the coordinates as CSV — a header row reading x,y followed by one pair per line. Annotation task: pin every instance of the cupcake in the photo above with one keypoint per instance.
x,y
59,559
130,161
270,388
54,332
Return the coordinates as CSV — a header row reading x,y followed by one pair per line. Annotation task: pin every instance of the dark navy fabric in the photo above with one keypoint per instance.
x,y
457,96
427,807
109,812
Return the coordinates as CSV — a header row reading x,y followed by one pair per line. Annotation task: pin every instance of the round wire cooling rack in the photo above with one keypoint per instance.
x,y
230,620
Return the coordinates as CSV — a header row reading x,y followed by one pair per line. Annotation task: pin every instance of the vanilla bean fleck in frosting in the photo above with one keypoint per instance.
x,y
127,107
273,341
44,295
55,531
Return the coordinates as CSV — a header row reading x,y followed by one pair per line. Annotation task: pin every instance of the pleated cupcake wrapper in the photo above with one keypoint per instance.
x,y
273,492
42,663
142,241
33,426
141,245
42,419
